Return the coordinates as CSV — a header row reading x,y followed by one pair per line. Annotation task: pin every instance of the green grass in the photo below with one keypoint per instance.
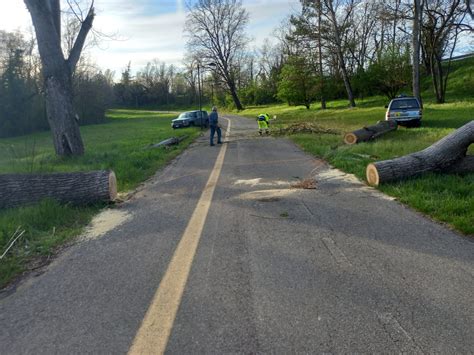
x,y
447,198
119,145
460,82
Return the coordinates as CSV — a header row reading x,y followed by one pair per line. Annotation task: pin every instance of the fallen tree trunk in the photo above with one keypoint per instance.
x,y
80,188
462,166
168,142
448,154
371,132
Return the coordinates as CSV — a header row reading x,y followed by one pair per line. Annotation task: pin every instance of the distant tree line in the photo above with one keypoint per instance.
x,y
331,49
156,85
22,100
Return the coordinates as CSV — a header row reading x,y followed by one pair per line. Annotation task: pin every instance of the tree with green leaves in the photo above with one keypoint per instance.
x,y
298,84
391,72
308,37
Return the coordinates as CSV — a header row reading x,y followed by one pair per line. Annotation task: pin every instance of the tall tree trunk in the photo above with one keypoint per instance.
x,y
436,74
61,116
320,59
235,97
340,55
395,23
416,50
345,77
58,71
440,94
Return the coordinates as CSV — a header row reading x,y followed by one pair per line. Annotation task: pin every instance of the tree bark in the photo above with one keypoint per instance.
x,y
416,50
340,54
371,132
81,188
61,115
320,56
441,156
235,97
57,73
463,166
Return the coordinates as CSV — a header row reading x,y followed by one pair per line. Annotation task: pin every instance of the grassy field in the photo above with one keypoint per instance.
x,y
447,198
119,145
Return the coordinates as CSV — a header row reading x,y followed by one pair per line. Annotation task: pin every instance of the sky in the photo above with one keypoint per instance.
x,y
145,30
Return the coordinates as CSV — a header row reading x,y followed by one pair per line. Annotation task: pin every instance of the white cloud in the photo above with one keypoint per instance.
x,y
14,16
147,31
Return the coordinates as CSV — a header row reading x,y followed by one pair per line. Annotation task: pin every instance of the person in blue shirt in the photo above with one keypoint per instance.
x,y
213,123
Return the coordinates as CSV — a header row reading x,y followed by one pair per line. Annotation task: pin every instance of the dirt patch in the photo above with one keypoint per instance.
x,y
105,222
309,184
305,127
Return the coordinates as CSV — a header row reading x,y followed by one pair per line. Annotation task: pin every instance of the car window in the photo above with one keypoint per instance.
x,y
186,115
404,104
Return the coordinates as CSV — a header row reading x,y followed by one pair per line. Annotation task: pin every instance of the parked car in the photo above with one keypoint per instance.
x,y
191,118
406,110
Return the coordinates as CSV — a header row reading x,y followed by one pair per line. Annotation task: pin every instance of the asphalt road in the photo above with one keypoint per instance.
x,y
336,269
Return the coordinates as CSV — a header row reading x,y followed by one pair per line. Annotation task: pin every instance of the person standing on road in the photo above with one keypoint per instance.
x,y
213,123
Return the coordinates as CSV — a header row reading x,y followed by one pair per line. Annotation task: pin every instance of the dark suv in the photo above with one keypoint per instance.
x,y
406,110
191,118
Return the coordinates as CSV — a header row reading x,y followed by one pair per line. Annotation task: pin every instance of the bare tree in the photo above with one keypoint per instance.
x,y
416,49
216,34
58,71
336,28
361,32
443,24
468,8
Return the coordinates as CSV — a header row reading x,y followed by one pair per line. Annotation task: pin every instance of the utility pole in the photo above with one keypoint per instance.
x,y
200,100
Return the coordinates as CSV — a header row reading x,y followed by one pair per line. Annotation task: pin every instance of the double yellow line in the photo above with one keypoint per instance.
x,y
155,330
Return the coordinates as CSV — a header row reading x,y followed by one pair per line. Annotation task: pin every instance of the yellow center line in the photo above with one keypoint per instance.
x,y
154,332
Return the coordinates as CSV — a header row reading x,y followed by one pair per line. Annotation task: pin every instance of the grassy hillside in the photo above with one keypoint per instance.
x,y
118,145
460,82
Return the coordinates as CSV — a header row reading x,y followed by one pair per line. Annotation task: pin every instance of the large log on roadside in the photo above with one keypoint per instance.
x,y
79,188
462,166
371,132
440,156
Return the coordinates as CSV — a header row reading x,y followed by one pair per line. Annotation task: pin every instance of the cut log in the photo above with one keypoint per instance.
x,y
462,166
368,133
445,155
80,188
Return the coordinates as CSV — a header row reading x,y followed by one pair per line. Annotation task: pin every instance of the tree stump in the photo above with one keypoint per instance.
x,y
79,188
448,154
371,132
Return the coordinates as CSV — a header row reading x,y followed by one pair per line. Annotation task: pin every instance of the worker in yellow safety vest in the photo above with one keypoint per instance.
x,y
263,120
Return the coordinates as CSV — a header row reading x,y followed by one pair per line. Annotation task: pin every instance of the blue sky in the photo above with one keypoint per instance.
x,y
151,29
